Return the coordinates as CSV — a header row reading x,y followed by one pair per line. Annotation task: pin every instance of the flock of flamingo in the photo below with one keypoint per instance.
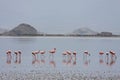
x,y
68,57
17,56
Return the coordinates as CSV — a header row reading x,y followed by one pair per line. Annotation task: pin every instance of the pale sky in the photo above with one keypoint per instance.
x,y
61,16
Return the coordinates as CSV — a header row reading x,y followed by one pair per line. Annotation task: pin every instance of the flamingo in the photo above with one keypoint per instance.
x,y
19,52
107,53
107,58
35,52
64,53
35,59
8,52
52,51
68,52
74,53
113,54
87,53
18,56
16,53
101,57
9,57
101,52
42,52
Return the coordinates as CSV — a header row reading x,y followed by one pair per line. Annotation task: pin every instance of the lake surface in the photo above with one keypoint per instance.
x,y
58,62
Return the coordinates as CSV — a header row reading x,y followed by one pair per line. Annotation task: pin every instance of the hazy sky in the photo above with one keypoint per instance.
x,y
57,16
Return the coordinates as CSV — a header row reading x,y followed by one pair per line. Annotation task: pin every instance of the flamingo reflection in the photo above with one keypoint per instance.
x,y
9,57
52,62
35,61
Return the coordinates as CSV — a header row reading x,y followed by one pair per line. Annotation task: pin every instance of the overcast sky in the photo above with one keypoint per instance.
x,y
61,16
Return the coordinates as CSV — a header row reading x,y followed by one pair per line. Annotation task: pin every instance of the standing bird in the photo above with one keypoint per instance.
x,y
112,53
87,53
9,53
64,53
9,57
101,52
101,61
69,53
42,52
86,60
18,56
74,53
34,53
107,58
52,51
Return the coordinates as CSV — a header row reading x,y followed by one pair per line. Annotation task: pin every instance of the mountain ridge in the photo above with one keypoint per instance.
x,y
22,29
84,31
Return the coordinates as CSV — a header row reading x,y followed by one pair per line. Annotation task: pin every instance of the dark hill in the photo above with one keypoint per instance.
x,y
21,30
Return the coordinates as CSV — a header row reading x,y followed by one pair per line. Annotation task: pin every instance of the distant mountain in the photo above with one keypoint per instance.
x,y
3,30
84,31
22,29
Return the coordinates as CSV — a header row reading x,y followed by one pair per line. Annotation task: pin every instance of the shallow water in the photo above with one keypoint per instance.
x,y
58,62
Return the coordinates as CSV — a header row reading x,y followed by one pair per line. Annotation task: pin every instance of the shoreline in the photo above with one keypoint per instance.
x,y
40,75
91,37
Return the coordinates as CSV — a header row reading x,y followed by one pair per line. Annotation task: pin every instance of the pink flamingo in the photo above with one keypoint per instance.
x,y
52,51
68,52
101,52
35,59
9,57
34,53
85,58
64,53
74,53
101,57
42,52
9,53
18,56
87,53
113,54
